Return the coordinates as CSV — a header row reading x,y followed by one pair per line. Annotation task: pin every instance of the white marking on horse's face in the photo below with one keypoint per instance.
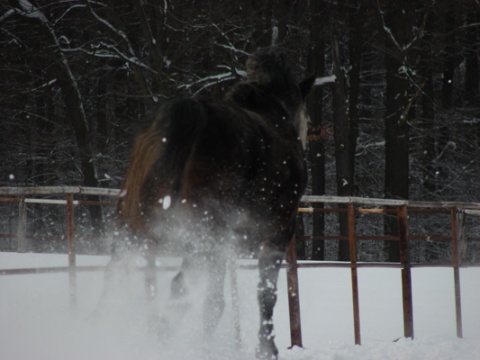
x,y
302,120
166,202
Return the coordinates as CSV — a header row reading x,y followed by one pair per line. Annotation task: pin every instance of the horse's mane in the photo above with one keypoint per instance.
x,y
146,151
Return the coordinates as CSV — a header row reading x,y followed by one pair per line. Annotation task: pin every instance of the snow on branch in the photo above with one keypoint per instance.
x,y
230,45
215,79
73,7
233,49
234,70
131,59
31,11
208,81
7,14
26,9
325,80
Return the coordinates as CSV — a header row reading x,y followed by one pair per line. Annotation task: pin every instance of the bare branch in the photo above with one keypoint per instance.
x,y
112,28
131,57
419,34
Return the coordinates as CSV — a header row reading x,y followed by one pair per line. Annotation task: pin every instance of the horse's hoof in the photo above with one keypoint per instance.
x,y
160,328
267,352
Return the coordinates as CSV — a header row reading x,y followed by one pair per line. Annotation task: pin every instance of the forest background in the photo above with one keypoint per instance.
x,y
397,117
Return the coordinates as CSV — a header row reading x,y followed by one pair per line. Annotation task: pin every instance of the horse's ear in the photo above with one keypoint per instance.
x,y
306,85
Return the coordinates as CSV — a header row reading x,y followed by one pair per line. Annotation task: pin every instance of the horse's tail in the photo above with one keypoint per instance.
x,y
158,158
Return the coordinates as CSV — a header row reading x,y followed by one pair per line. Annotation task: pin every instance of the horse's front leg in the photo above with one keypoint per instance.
x,y
269,264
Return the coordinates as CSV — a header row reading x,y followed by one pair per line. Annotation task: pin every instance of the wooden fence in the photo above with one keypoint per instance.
x,y
352,206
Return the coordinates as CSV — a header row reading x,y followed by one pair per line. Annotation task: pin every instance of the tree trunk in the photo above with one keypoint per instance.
x,y
449,62
396,116
471,59
343,146
263,15
316,148
345,115
355,56
428,112
447,95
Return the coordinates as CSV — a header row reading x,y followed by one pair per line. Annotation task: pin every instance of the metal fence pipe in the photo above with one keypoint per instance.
x,y
456,273
353,268
72,271
406,272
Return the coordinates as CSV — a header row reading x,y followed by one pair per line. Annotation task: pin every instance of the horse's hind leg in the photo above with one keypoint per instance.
x,y
215,269
269,264
178,303
178,285
117,269
149,253
215,298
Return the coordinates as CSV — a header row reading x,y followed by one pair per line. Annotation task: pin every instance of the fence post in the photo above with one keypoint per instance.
x,y
22,242
72,271
406,272
456,271
461,235
352,238
293,296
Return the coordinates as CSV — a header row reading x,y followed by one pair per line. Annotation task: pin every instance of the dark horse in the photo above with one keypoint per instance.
x,y
213,174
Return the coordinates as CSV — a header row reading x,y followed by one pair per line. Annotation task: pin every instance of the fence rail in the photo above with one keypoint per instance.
x,y
351,206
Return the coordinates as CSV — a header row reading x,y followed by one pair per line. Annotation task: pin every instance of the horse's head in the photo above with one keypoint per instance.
x,y
270,69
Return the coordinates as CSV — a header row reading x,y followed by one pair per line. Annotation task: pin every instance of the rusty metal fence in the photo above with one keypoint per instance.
x,y
353,206
70,197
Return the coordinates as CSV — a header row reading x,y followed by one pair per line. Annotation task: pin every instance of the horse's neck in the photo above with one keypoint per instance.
x,y
254,99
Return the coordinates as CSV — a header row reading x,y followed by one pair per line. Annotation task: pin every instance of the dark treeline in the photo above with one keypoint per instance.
x,y
401,120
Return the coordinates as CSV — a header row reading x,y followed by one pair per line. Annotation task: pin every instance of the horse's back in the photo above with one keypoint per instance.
x,y
245,161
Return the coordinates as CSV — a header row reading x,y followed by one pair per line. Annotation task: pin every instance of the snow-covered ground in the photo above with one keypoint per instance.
x,y
36,322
